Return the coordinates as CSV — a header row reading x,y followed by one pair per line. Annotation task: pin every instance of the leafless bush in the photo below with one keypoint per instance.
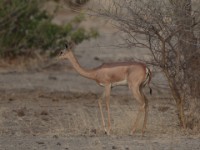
x,y
170,30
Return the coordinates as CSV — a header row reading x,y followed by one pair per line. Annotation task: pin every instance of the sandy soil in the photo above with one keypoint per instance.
x,y
51,107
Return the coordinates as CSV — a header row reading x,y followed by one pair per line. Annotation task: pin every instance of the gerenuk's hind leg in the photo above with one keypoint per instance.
x,y
141,99
145,114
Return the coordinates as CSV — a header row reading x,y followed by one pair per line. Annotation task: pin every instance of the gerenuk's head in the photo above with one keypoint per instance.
x,y
67,52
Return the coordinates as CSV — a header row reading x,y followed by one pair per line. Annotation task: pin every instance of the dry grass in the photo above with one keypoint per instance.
x,y
73,114
73,121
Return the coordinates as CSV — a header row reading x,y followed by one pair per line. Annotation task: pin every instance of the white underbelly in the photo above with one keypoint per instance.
x,y
119,83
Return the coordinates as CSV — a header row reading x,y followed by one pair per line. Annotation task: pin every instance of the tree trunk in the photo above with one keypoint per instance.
x,y
188,46
180,108
179,101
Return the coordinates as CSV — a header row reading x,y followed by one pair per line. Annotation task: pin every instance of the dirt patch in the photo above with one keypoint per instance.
x,y
39,119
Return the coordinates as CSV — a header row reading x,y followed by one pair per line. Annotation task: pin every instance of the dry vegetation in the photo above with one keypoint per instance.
x,y
169,29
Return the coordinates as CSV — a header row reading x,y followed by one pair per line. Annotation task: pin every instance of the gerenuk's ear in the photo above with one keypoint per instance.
x,y
71,45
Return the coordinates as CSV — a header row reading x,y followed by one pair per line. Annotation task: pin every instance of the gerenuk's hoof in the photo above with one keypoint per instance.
x,y
107,132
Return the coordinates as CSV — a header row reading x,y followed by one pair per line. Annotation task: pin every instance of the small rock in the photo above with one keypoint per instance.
x,y
11,99
96,58
55,136
52,78
58,143
114,147
55,100
40,142
21,113
44,113
93,131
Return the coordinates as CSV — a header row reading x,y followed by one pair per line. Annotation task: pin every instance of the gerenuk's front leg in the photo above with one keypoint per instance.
x,y
100,108
107,95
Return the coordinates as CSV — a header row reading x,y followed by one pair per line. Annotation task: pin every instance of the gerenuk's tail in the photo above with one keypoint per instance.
x,y
148,79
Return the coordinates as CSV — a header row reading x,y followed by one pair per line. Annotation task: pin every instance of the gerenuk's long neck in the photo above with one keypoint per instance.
x,y
84,72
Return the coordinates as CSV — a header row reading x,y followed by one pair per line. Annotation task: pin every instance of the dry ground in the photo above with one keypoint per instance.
x,y
37,115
